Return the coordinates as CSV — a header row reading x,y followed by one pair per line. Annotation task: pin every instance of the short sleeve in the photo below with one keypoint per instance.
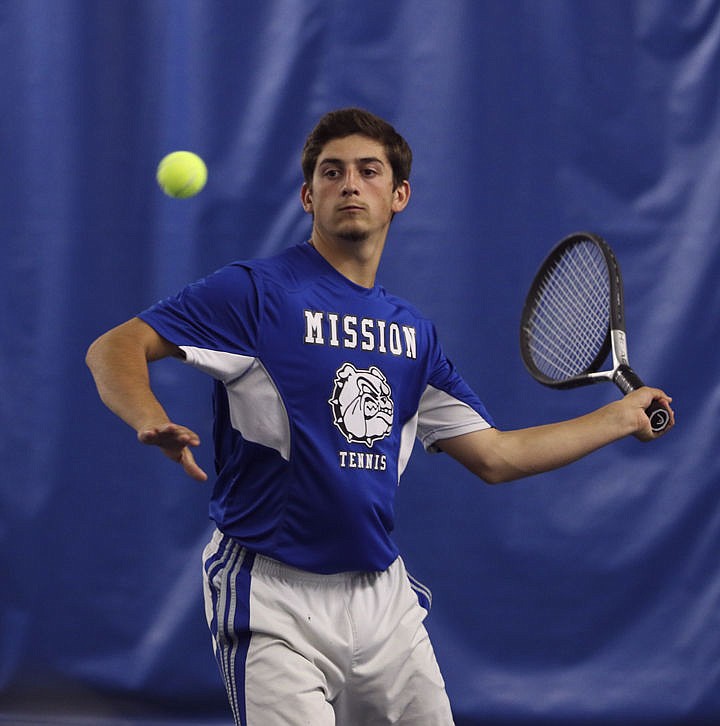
x,y
448,406
219,313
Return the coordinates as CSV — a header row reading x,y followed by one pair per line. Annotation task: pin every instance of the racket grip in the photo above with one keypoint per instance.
x,y
658,415
627,380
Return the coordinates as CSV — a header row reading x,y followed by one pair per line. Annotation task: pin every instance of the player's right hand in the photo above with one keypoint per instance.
x,y
175,442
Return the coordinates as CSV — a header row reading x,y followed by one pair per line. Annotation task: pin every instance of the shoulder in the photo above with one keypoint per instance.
x,y
407,310
241,276
291,268
403,304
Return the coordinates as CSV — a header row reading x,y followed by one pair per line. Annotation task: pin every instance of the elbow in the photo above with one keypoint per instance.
x,y
500,466
492,478
490,474
499,471
482,454
93,353
90,354
100,352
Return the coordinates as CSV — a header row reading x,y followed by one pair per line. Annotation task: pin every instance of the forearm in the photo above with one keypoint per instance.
x,y
498,456
538,449
118,361
125,387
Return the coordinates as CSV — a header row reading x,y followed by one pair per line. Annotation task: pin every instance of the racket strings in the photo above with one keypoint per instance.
x,y
571,314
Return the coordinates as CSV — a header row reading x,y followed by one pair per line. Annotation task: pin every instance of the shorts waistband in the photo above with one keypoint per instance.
x,y
275,568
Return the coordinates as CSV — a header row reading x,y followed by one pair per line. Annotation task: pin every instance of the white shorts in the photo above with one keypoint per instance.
x,y
320,650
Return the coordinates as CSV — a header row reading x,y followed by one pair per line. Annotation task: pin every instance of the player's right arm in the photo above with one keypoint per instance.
x,y
118,361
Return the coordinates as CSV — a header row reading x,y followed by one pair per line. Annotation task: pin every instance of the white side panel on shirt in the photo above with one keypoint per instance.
x,y
256,409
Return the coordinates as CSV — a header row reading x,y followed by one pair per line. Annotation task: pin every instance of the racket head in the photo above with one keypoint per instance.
x,y
574,303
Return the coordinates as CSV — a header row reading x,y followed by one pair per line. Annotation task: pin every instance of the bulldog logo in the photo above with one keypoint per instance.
x,y
361,404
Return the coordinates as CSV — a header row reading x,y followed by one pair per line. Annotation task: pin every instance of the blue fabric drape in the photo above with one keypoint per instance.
x,y
588,595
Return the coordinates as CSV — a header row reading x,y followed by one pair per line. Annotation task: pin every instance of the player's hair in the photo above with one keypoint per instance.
x,y
349,121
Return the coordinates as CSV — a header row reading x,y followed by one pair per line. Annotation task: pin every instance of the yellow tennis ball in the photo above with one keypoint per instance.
x,y
181,174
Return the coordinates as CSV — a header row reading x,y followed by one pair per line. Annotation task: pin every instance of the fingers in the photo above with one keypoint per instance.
x,y
174,441
664,400
642,398
169,436
191,468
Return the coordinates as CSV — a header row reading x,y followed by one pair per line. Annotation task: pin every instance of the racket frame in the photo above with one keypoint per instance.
x,y
615,342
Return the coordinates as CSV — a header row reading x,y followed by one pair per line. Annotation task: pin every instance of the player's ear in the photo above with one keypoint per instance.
x,y
401,196
306,198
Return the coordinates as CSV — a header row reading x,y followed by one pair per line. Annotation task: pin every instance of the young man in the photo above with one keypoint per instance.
x,y
322,382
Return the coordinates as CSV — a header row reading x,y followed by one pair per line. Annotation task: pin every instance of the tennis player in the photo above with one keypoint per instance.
x,y
322,381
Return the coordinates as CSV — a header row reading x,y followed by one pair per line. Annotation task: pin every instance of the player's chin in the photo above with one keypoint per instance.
x,y
353,234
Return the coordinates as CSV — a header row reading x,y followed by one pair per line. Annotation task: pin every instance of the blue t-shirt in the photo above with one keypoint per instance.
x,y
321,387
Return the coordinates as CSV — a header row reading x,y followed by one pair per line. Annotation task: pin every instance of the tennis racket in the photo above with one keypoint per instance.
x,y
574,316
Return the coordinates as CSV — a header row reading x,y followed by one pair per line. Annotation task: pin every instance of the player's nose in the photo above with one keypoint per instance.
x,y
350,182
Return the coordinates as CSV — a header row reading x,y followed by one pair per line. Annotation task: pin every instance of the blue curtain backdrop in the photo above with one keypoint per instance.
x,y
590,595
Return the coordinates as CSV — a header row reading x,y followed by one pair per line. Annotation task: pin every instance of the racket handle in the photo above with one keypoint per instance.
x,y
627,380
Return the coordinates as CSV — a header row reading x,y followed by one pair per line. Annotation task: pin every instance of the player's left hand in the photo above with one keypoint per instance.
x,y
639,400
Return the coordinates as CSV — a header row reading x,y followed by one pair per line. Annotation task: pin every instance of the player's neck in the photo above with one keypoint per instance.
x,y
358,260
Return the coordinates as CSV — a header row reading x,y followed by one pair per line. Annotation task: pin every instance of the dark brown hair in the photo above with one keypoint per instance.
x,y
349,121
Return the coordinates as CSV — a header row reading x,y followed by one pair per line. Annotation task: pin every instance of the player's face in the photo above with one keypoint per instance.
x,y
352,196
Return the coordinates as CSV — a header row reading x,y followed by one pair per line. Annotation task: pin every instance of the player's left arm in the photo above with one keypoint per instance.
x,y
499,456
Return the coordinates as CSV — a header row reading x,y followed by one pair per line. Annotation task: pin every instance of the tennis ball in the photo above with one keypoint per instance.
x,y
181,174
